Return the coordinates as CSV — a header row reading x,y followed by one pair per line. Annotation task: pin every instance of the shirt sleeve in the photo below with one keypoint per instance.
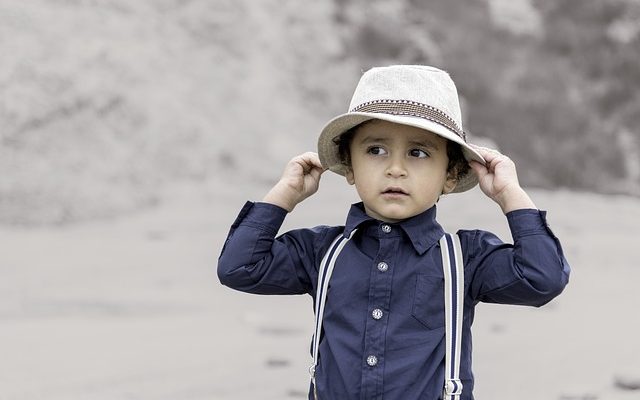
x,y
253,260
531,271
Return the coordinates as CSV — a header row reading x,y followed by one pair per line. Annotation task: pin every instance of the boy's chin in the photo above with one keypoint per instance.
x,y
391,217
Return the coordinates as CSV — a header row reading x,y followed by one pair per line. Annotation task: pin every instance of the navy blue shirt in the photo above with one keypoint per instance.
x,y
386,295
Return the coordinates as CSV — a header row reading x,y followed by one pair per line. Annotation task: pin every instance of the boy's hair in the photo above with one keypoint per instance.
x,y
458,165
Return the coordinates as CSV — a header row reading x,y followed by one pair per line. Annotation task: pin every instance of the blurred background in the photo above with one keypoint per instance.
x,y
131,132
107,103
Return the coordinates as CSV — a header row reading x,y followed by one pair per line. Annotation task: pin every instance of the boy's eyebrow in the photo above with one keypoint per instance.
x,y
424,142
369,139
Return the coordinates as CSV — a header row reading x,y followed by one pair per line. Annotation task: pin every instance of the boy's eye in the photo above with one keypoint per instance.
x,y
376,150
418,153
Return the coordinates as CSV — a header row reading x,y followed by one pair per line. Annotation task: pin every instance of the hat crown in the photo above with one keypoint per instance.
x,y
414,83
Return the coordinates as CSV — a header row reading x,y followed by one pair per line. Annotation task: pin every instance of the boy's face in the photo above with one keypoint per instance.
x,y
399,171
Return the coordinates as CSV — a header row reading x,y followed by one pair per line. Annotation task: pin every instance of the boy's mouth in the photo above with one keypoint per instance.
x,y
395,191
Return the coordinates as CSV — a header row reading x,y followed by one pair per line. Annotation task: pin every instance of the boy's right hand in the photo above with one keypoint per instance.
x,y
300,179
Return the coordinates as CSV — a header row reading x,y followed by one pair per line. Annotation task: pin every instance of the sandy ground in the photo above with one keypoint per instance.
x,y
132,308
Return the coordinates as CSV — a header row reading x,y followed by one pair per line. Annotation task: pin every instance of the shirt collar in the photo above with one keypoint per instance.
x,y
422,230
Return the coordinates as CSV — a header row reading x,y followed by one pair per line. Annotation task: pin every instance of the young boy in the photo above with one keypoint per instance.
x,y
402,146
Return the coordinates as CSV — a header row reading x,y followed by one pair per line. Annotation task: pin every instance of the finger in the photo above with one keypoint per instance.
x,y
311,157
499,159
316,173
311,160
494,159
479,169
482,148
487,153
315,158
303,162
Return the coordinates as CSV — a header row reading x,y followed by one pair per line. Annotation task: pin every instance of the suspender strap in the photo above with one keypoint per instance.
x,y
324,275
453,269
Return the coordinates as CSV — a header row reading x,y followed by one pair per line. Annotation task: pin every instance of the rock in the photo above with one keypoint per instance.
x,y
627,383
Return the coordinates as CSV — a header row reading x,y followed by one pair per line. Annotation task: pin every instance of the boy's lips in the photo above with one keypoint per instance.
x,y
395,191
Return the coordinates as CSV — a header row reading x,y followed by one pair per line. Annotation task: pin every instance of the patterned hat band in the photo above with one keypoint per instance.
x,y
413,109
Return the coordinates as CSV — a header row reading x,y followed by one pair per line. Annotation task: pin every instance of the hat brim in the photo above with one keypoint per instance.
x,y
330,157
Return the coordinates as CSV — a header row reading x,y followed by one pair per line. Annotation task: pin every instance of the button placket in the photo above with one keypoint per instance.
x,y
378,305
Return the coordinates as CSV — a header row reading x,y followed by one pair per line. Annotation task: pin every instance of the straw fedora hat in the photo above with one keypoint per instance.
x,y
415,95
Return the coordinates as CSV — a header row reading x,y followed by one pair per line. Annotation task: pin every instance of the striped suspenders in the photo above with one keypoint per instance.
x,y
453,269
324,275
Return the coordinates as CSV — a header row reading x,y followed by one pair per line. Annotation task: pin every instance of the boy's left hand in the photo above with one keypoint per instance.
x,y
498,180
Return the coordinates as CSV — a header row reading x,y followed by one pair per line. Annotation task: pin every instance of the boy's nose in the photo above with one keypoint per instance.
x,y
396,168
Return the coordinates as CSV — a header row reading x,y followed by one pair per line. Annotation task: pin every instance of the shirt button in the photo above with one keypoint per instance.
x,y
383,266
372,361
377,313
386,228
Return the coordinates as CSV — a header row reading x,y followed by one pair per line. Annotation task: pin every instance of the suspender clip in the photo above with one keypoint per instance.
x,y
312,372
452,387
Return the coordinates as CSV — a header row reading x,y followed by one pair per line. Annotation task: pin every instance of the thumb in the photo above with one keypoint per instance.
x,y
316,172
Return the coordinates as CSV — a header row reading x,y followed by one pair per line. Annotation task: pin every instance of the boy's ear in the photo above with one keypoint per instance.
x,y
450,183
349,175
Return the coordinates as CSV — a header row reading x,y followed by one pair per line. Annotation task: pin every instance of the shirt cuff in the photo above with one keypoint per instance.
x,y
264,216
526,222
